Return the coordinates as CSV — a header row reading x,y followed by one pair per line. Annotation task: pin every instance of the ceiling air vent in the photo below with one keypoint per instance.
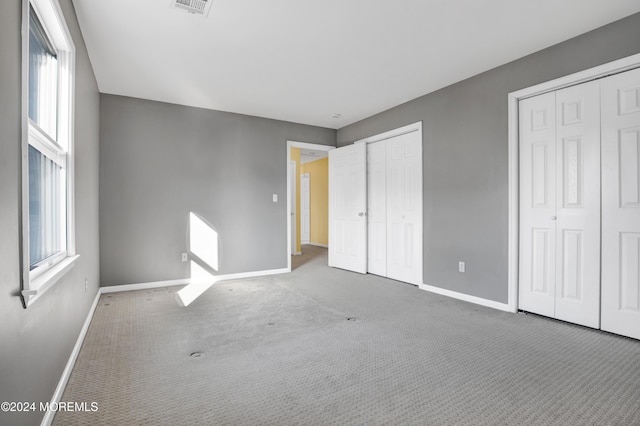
x,y
197,7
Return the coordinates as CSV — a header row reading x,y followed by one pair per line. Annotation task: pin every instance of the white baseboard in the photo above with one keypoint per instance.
x,y
142,286
468,298
319,245
57,395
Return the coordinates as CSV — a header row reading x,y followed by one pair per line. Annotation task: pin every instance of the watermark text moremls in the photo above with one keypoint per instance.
x,y
23,406
80,407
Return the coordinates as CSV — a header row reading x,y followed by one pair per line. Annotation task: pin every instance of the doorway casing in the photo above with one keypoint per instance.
x,y
301,145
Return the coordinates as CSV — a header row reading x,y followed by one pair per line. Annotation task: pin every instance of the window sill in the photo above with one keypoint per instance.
x,y
42,283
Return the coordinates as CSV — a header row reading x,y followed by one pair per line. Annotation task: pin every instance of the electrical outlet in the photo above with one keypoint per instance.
x,y
185,257
275,198
461,266
86,284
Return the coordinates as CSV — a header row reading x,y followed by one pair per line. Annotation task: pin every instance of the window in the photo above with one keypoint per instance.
x,y
47,146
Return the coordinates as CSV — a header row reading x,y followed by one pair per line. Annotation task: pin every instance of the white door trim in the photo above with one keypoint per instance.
x,y
417,126
600,71
302,145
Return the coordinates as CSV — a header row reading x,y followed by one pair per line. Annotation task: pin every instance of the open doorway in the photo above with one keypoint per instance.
x,y
307,196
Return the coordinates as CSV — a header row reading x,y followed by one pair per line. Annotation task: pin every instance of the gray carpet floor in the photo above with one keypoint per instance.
x,y
322,346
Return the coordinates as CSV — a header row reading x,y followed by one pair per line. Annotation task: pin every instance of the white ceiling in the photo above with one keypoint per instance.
x,y
304,60
309,155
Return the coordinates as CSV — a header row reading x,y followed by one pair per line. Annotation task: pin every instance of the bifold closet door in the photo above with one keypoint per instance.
x,y
404,208
560,204
537,142
578,204
621,204
394,179
377,208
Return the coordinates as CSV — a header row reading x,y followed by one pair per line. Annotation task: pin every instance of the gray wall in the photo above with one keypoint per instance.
x,y
35,343
160,161
465,156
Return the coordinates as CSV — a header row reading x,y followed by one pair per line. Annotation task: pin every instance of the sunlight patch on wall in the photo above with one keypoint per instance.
x,y
203,247
203,241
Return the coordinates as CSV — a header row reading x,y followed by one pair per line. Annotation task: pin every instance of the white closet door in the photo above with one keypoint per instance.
x,y
377,208
347,207
537,204
621,204
577,295
404,208
560,204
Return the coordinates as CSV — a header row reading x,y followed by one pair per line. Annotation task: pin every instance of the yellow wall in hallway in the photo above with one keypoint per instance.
x,y
318,200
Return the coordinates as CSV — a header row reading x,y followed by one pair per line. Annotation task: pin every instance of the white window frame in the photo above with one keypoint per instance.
x,y
37,281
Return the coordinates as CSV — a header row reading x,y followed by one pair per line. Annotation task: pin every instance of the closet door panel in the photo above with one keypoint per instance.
x,y
377,208
577,275
621,204
537,204
404,207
